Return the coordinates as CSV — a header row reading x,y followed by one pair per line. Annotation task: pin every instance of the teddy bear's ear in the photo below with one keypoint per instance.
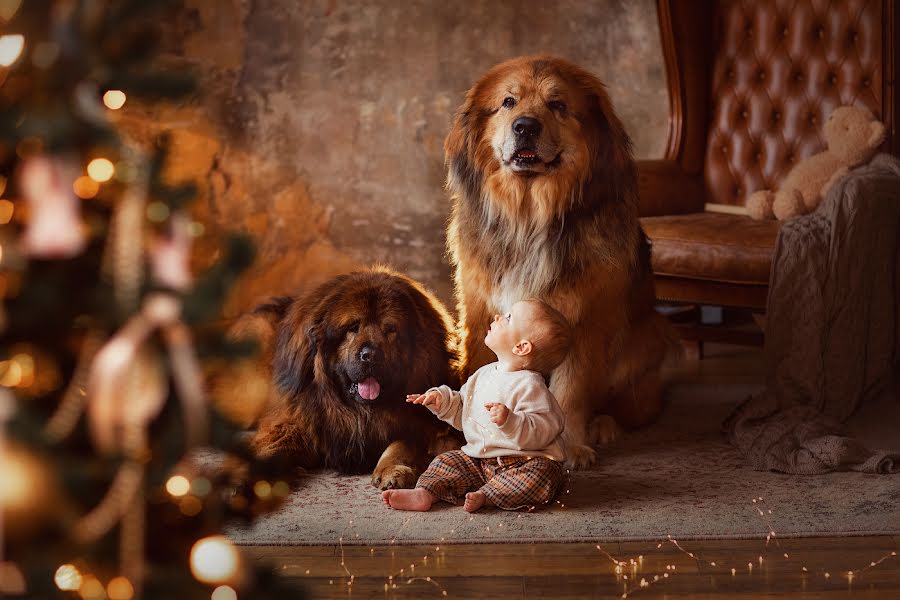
x,y
876,134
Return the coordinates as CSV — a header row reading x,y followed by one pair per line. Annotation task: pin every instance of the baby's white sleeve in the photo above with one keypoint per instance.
x,y
536,419
450,410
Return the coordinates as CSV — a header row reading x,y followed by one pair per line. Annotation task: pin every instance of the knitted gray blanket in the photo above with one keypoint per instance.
x,y
832,330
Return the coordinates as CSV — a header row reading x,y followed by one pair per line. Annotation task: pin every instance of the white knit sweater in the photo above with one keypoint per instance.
x,y
535,418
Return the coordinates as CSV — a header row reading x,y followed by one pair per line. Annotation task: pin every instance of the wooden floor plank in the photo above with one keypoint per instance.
x,y
583,571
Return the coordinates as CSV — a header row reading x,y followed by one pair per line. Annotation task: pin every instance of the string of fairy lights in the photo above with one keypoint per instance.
x,y
629,572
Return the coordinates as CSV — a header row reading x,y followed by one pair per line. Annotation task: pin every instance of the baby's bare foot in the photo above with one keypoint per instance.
x,y
474,501
418,499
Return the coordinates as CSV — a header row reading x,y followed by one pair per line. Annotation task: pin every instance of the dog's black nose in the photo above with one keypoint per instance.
x,y
527,127
368,353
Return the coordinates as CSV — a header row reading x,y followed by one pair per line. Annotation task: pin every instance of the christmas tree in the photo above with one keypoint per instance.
x,y
105,330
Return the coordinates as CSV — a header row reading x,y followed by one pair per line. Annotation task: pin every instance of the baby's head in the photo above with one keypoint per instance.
x,y
532,335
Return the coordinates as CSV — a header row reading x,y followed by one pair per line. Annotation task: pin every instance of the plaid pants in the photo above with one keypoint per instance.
x,y
509,482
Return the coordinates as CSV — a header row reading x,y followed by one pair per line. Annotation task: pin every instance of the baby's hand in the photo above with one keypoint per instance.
x,y
499,412
431,397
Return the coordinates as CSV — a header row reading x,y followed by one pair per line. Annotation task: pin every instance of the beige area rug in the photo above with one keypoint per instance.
x,y
677,478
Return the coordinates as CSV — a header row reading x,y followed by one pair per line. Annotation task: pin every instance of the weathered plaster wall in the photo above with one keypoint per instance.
x,y
321,123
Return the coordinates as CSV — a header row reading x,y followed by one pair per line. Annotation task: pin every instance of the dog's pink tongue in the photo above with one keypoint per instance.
x,y
369,388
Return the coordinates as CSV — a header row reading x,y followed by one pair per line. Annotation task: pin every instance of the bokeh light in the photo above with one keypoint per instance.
x,y
190,506
8,9
223,592
92,589
85,187
101,169
12,581
114,99
157,212
67,578
281,489
178,485
16,482
201,486
120,588
6,211
214,560
11,48
262,489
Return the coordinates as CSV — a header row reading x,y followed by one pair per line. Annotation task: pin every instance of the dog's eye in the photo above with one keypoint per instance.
x,y
389,329
557,105
509,102
353,327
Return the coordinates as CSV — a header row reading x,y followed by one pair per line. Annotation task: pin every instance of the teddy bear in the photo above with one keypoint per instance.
x,y
852,136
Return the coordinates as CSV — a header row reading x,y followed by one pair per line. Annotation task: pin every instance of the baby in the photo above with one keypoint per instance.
x,y
513,456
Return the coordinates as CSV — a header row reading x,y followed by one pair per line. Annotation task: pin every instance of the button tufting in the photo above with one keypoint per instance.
x,y
776,116
820,33
866,82
761,75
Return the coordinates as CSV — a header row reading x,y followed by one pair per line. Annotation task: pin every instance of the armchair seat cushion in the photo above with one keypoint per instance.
x,y
712,246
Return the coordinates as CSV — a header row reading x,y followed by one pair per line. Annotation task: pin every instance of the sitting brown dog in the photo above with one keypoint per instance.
x,y
341,359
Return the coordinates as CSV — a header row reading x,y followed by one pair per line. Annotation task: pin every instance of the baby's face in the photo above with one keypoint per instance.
x,y
508,330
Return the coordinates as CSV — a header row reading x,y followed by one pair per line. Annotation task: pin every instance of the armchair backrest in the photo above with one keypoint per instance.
x,y
751,83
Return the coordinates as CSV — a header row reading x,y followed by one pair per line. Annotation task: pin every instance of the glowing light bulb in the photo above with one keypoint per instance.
x,y
214,560
223,592
178,485
67,578
119,588
101,170
11,48
114,99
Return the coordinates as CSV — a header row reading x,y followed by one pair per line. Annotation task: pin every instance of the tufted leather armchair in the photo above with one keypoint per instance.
x,y
750,86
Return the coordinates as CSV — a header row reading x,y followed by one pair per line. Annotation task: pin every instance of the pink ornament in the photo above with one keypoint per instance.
x,y
170,256
54,226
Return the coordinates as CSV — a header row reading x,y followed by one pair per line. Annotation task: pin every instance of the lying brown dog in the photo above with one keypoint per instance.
x,y
342,358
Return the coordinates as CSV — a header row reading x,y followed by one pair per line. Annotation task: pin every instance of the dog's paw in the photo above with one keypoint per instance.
x,y
579,456
394,477
604,430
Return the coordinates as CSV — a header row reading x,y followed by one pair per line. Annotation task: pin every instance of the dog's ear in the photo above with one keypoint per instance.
x,y
293,364
461,176
435,340
611,152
